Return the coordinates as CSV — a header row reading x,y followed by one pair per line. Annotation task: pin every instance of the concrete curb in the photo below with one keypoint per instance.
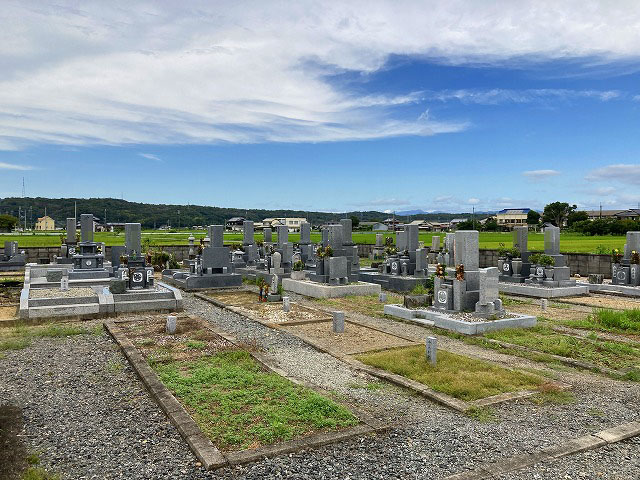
x,y
569,447
210,457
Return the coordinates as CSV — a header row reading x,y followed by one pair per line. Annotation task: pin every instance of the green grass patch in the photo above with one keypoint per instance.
x,y
602,353
616,321
239,405
461,377
21,336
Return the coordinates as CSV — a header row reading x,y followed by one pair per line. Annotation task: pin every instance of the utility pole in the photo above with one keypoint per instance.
x,y
600,210
105,218
473,216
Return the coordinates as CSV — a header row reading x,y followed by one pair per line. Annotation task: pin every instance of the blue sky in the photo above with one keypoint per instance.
x,y
321,105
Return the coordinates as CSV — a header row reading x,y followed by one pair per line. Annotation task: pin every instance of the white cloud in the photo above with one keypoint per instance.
x,y
204,72
12,166
473,201
540,174
636,98
150,156
621,172
499,95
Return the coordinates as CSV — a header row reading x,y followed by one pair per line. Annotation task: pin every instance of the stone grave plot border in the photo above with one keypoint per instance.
x,y
431,318
527,290
567,447
424,390
320,290
611,289
102,304
204,450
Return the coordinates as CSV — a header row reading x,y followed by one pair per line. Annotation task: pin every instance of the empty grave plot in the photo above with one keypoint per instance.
x,y
235,400
364,304
9,296
271,312
604,301
356,337
460,377
592,351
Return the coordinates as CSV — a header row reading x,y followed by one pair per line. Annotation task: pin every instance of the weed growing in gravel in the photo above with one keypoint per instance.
x,y
456,375
509,301
481,414
115,366
239,405
365,304
196,345
15,344
553,397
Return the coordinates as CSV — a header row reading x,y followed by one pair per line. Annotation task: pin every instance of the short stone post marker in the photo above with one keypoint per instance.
x,y
432,350
338,322
382,298
64,282
544,303
286,304
172,323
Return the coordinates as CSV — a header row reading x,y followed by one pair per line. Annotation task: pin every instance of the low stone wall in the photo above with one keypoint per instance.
x,y
581,263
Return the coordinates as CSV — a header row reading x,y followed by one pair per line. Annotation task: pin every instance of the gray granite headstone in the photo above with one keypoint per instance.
x,y
71,230
421,259
216,257
488,285
347,231
633,244
467,250
435,243
379,240
520,238
133,238
86,227
401,241
283,234
305,233
247,232
412,233
216,235
267,235
336,237
338,268
325,237
552,240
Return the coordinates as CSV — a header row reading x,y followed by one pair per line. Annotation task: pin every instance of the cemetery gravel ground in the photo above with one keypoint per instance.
x,y
88,415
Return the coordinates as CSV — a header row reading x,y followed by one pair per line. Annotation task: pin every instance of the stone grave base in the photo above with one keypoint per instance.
x,y
36,276
321,290
96,301
187,281
255,274
626,290
448,321
396,283
529,290
12,266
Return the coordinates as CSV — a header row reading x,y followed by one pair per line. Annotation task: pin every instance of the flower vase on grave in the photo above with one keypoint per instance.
x,y
548,273
501,261
516,266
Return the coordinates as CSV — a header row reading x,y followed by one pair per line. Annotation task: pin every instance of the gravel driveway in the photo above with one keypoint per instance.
x,y
89,417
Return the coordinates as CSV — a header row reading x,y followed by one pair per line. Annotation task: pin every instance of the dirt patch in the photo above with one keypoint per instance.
x,y
13,452
552,313
192,338
247,302
57,293
10,294
355,338
604,301
8,312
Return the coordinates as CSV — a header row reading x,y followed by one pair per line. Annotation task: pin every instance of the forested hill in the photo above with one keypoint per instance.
x,y
154,215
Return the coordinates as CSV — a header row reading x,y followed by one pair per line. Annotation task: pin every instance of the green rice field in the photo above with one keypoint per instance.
x,y
569,242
